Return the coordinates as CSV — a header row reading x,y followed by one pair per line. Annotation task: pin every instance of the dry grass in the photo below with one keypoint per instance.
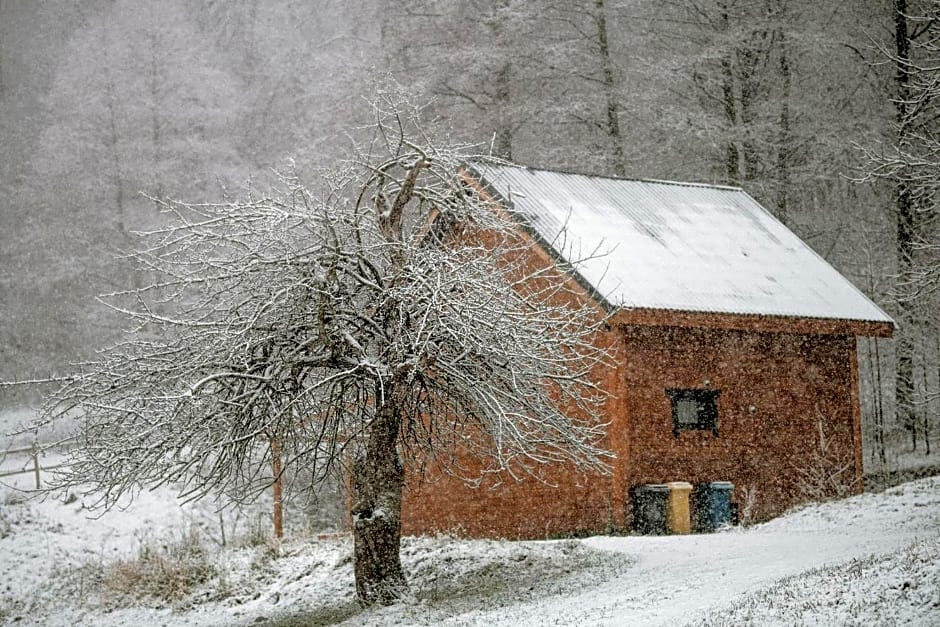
x,y
164,572
830,473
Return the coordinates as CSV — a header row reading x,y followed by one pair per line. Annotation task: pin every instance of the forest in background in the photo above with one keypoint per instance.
x,y
824,112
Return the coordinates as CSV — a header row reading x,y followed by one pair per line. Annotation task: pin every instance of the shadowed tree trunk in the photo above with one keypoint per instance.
x,y
118,178
155,104
610,89
904,382
748,58
786,135
732,157
925,390
377,491
503,143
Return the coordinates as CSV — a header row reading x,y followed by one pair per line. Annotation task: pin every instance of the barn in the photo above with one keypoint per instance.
x,y
736,347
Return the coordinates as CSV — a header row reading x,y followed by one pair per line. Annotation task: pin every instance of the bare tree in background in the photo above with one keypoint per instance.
x,y
387,319
511,70
478,68
911,164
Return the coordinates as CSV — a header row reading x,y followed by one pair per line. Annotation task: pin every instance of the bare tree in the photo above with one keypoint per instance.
x,y
537,65
584,68
910,163
389,318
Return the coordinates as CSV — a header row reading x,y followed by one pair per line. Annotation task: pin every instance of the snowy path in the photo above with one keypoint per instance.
x,y
677,579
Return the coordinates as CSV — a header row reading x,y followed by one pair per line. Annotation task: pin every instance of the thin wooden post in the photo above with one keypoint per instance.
x,y
222,528
278,494
36,466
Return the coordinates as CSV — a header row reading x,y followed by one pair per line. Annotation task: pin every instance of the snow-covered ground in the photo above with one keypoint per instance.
x,y
684,579
871,559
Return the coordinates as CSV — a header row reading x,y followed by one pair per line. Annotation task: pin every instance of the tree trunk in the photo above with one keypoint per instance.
x,y
116,161
879,458
747,60
503,147
277,471
378,479
904,383
155,101
925,390
732,157
610,89
786,137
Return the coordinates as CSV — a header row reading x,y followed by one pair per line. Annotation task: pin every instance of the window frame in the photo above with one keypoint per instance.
x,y
707,411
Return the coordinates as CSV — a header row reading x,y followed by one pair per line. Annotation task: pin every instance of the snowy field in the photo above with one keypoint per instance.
x,y
869,560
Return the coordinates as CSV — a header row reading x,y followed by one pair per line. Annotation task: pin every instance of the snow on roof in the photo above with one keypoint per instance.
x,y
678,246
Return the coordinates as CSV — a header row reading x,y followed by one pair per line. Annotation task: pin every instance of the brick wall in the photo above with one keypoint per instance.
x,y
564,501
775,390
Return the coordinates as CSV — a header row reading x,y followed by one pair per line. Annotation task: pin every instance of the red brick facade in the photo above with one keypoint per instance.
x,y
572,503
779,378
775,388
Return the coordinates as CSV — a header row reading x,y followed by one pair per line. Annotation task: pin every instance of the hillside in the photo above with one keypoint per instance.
x,y
870,559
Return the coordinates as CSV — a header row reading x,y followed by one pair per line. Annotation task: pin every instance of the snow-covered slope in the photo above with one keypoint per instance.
x,y
680,579
871,559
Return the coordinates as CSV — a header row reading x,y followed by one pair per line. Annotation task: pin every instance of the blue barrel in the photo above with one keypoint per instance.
x,y
650,503
712,503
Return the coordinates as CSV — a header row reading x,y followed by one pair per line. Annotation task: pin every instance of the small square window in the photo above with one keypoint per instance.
x,y
694,409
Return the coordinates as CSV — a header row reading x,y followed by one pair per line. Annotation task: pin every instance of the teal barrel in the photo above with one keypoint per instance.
x,y
712,504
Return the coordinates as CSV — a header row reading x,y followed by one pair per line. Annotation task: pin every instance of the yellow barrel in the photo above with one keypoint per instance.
x,y
678,519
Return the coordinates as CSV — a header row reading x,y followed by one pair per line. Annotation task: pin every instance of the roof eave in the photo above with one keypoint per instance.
x,y
753,322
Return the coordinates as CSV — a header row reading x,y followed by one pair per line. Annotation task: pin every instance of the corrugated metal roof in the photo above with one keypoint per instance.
x,y
678,246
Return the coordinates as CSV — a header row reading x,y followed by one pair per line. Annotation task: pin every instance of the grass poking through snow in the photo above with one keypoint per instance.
x,y
901,588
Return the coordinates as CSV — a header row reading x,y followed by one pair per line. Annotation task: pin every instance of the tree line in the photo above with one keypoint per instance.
x,y
823,111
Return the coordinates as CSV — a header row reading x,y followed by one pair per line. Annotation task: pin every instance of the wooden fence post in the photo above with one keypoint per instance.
x,y
36,466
